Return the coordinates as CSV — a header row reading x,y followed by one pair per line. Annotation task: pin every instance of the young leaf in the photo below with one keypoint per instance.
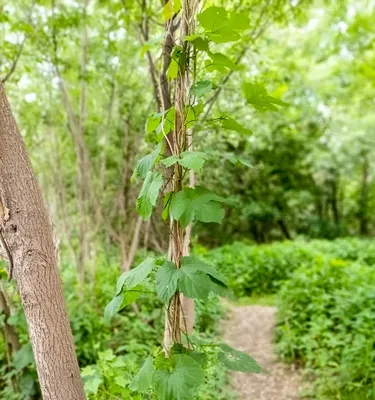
x,y
153,121
213,18
145,164
142,381
166,281
220,62
232,125
149,194
256,95
179,382
171,7
137,275
200,88
237,360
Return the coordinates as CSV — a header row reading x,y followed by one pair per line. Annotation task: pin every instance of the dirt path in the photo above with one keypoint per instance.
x,y
250,329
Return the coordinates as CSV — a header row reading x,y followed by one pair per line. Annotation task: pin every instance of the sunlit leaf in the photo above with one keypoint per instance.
x,y
149,194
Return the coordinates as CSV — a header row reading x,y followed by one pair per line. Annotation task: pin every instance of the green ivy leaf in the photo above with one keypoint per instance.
x,y
199,203
142,381
201,88
137,275
145,164
237,360
232,125
166,281
176,383
149,194
256,95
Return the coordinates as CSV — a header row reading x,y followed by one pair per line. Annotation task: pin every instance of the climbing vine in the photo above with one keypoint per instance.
x,y
179,367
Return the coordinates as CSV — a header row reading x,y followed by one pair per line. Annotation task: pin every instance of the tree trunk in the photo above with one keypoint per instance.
x,y
27,233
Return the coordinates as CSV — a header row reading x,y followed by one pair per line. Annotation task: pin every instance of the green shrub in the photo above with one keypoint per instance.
x,y
258,270
326,321
255,270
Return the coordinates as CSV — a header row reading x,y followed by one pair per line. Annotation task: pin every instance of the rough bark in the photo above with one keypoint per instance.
x,y
28,234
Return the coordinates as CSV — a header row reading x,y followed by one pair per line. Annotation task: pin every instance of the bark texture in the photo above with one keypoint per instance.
x,y
28,233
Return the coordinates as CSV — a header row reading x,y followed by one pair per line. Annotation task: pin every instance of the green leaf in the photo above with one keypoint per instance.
x,y
92,379
193,160
166,281
119,302
149,194
220,62
210,212
179,383
171,7
224,35
137,275
218,283
231,124
167,201
173,68
153,122
199,203
201,88
193,283
239,21
142,381
213,18
256,95
145,164
199,42
23,357
189,159
237,360
192,114
167,124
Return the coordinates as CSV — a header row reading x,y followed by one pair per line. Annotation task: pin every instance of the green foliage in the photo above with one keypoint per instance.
x,y
188,159
149,194
326,322
258,270
257,96
198,203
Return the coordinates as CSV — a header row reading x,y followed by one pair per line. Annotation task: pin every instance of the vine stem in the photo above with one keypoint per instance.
x,y
175,325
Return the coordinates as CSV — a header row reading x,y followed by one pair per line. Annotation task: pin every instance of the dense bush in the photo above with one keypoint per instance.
x,y
257,270
260,269
326,321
